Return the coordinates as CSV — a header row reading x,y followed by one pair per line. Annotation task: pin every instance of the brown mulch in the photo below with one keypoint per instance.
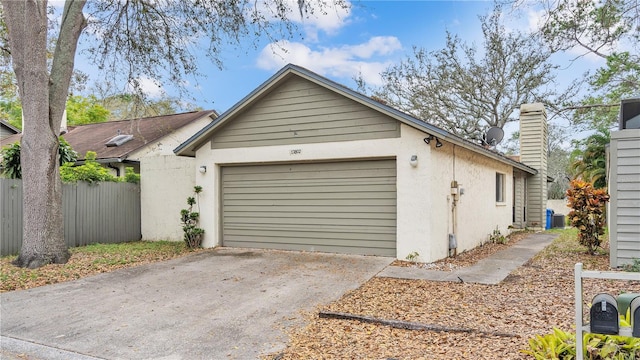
x,y
89,260
534,299
467,258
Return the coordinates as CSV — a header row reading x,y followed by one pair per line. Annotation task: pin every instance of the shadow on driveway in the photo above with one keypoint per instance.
x,y
223,304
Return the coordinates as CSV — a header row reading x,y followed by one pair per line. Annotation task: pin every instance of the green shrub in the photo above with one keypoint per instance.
x,y
11,168
91,171
561,345
130,176
634,267
189,219
496,237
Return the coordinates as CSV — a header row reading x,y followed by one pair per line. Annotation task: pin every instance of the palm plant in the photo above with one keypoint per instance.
x,y
588,161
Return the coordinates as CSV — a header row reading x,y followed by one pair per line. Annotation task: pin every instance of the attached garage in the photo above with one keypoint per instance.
x,y
344,207
303,163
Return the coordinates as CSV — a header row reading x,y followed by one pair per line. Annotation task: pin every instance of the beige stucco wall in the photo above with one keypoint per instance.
x,y
167,144
166,183
423,193
477,212
162,147
559,206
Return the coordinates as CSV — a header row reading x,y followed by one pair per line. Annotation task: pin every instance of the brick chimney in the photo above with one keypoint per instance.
x,y
533,153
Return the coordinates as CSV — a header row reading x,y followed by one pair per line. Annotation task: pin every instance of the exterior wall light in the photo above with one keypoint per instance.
x,y
202,169
428,139
414,160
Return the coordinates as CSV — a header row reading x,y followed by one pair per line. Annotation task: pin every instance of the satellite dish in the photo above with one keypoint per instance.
x,y
494,136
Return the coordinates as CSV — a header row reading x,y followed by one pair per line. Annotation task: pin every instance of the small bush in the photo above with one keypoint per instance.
x,y
91,171
588,214
189,218
634,267
11,168
496,237
130,176
562,345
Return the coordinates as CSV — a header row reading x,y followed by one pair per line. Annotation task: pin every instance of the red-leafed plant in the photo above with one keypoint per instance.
x,y
588,214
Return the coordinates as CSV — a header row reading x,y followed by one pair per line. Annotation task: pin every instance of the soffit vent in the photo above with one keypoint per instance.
x,y
119,140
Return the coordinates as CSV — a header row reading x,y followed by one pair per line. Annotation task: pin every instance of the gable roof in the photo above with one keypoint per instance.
x,y
94,137
189,147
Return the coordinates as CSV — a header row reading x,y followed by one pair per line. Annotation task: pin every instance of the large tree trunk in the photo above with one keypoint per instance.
x,y
43,100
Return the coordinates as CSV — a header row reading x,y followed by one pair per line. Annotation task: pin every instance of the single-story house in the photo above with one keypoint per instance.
x,y
146,145
304,163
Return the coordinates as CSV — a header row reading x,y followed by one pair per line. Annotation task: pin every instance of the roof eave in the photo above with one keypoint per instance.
x,y
189,147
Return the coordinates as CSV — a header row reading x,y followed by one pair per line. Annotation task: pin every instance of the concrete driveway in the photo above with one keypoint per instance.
x,y
222,304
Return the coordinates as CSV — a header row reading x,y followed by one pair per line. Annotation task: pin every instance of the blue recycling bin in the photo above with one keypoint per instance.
x,y
549,217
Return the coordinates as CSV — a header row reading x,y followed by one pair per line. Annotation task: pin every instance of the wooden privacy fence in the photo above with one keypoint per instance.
x,y
101,213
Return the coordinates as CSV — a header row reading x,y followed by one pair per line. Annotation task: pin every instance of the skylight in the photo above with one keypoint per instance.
x,y
119,140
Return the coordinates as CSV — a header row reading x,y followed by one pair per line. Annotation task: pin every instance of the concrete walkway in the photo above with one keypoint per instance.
x,y
490,270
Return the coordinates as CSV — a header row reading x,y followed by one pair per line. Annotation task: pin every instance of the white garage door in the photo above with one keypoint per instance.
x,y
343,207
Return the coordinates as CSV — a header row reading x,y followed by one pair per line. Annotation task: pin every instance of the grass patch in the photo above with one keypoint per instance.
x,y
567,248
89,260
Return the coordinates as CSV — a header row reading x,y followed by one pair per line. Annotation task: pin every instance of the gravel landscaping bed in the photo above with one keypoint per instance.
x,y
532,300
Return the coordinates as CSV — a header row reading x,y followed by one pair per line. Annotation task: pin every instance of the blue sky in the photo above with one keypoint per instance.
x,y
366,39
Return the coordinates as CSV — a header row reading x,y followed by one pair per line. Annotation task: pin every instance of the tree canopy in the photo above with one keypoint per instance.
x,y
465,89
129,41
607,29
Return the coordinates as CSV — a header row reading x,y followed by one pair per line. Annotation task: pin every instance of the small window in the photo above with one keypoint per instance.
x,y
500,188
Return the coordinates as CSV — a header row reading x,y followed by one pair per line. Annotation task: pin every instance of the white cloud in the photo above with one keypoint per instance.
x,y
322,16
345,61
149,87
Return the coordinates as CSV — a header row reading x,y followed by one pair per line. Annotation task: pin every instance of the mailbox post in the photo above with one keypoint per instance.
x,y
579,275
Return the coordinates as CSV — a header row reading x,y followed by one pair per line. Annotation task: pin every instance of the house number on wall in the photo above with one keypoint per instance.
x,y
295,152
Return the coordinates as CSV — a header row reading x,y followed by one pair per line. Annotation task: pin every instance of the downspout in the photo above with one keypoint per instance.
x,y
117,169
453,243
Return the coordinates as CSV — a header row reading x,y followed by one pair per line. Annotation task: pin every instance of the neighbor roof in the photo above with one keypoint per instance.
x,y
189,147
9,127
94,137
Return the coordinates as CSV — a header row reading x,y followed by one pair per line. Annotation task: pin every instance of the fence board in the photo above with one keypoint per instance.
x,y
99,213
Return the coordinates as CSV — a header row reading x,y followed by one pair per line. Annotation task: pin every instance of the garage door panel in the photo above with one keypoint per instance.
x,y
301,215
321,248
349,166
311,188
327,201
345,207
302,230
306,196
311,209
314,241
305,221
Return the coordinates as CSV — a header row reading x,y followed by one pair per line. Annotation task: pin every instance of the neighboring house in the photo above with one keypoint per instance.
x,y
623,175
7,129
146,145
303,163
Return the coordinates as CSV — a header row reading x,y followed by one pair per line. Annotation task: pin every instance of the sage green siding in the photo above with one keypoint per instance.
x,y
342,207
301,112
